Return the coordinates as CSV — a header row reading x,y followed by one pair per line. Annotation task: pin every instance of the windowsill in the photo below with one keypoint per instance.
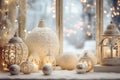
x,y
61,75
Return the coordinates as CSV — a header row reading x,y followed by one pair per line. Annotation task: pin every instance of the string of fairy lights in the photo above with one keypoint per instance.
x,y
115,11
4,15
79,25
53,9
111,13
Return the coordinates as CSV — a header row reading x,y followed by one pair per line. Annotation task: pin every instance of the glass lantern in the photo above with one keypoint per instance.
x,y
14,52
110,49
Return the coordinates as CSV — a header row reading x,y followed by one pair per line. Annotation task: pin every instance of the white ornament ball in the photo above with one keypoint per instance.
x,y
47,69
81,68
14,69
41,40
68,61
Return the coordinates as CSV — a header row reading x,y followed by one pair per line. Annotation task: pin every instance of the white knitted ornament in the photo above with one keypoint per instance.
x,y
42,40
68,61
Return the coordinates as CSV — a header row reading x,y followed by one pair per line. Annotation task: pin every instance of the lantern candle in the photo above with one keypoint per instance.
x,y
49,59
108,53
36,67
34,58
4,67
6,5
48,64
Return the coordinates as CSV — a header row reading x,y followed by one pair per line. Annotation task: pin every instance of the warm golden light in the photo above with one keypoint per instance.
x,y
84,1
6,1
50,59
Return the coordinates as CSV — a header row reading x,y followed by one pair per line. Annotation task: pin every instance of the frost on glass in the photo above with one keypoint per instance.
x,y
40,9
79,25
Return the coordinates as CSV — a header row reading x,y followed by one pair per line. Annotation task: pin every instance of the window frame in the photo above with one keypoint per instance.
x,y
59,25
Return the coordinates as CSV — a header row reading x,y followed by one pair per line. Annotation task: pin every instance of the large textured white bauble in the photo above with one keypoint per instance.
x,y
14,69
68,61
41,41
47,69
81,68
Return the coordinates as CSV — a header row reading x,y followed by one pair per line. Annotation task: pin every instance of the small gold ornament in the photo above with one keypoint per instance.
x,y
87,61
27,67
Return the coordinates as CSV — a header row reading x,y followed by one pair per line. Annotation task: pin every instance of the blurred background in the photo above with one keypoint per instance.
x,y
79,20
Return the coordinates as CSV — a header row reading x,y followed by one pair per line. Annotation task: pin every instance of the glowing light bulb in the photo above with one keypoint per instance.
x,y
6,1
112,9
84,1
72,4
88,5
81,29
25,30
68,35
118,13
112,15
118,2
88,26
29,32
66,7
16,20
105,12
88,33
53,16
4,27
108,15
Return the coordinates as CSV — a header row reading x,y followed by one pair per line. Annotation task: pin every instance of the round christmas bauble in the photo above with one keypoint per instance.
x,y
68,61
81,68
47,69
87,61
27,67
42,40
14,69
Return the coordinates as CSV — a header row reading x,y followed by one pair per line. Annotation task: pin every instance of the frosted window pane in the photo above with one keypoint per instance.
x,y
38,9
79,25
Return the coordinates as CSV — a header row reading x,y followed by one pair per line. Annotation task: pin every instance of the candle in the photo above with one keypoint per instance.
x,y
49,64
108,53
36,67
